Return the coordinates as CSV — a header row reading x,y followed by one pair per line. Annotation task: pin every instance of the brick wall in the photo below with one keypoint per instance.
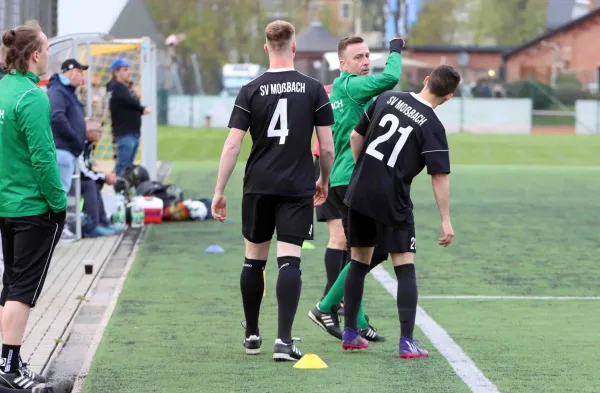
x,y
577,55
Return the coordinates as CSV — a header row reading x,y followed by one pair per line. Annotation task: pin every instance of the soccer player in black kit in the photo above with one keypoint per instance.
x,y
282,107
395,139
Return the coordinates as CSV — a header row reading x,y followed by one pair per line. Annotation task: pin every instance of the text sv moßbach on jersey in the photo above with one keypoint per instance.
x,y
407,110
285,87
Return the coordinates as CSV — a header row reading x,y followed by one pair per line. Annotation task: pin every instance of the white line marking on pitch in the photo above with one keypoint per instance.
x,y
478,297
461,363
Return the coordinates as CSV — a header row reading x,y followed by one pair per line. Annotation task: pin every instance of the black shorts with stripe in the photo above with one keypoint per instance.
x,y
291,217
28,244
364,231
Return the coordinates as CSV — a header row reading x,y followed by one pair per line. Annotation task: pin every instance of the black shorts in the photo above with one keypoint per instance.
x,y
366,232
327,211
27,244
292,217
336,197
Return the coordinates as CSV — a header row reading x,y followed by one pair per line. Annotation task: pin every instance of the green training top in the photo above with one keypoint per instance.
x,y
350,97
29,178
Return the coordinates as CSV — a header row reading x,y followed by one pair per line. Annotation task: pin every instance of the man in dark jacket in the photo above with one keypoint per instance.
x,y
126,114
68,122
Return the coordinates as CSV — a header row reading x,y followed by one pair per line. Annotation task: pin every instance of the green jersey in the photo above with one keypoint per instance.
x,y
350,97
29,178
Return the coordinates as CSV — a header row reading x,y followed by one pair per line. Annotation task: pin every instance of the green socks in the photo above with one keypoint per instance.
x,y
335,296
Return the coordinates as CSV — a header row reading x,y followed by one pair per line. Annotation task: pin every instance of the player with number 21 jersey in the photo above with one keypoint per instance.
x,y
402,135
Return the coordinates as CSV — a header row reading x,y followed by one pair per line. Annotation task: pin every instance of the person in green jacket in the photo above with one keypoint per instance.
x,y
32,201
351,94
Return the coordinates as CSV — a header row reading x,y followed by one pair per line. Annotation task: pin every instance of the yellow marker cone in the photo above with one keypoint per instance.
x,y
310,360
308,246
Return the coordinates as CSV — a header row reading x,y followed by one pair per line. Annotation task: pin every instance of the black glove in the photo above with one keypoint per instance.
x,y
58,217
396,45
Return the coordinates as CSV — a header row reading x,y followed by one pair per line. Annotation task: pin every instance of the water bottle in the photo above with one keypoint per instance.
x,y
137,215
120,215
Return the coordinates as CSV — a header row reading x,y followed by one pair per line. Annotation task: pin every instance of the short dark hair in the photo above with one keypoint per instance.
x,y
19,44
279,34
344,42
443,80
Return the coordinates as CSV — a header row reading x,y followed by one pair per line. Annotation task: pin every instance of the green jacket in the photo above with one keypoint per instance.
x,y
350,97
29,178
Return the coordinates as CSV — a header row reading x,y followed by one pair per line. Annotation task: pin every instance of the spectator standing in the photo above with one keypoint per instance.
x,y
68,122
126,113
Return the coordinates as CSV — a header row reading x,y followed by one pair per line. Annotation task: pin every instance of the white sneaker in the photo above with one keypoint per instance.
x,y
67,236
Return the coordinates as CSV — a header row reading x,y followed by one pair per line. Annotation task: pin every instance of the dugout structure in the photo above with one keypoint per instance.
x,y
98,51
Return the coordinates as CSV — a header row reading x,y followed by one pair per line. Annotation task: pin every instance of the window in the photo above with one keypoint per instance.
x,y
345,10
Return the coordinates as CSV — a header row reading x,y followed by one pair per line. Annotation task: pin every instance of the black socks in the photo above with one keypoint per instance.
x,y
353,292
334,262
10,358
407,296
289,285
252,286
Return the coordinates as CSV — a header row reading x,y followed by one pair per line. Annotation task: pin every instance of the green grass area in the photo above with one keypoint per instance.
x,y
527,345
520,230
554,121
177,326
191,144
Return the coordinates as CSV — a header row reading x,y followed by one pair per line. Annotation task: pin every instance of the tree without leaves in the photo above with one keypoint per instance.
x,y
436,24
507,22
373,15
489,22
214,29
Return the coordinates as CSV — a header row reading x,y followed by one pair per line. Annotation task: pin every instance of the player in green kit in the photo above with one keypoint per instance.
x,y
351,94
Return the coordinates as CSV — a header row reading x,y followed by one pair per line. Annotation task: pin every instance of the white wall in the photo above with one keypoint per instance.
x,y
477,115
190,111
486,115
587,117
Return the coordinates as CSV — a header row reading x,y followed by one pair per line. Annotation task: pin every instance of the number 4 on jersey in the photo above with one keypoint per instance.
x,y
405,131
281,115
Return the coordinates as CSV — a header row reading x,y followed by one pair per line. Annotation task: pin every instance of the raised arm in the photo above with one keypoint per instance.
x,y
365,87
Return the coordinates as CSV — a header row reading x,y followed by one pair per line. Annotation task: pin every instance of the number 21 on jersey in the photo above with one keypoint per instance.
x,y
404,131
280,114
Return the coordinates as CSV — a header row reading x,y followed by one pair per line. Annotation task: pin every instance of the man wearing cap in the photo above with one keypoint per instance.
x,y
126,114
68,122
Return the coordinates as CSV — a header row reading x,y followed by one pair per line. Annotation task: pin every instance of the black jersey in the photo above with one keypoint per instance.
x,y
281,107
402,136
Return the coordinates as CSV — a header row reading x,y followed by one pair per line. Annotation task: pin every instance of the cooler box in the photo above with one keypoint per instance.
x,y
153,208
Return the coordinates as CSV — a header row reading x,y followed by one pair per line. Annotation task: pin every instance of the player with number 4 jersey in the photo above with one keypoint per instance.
x,y
395,139
282,108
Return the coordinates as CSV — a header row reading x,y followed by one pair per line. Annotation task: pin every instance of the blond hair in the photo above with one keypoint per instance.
x,y
279,35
